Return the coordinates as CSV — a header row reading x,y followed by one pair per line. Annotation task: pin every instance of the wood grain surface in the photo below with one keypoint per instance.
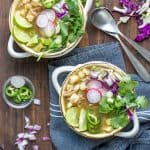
x,y
11,120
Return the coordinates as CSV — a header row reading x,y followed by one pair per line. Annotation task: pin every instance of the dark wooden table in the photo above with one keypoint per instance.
x,y
11,120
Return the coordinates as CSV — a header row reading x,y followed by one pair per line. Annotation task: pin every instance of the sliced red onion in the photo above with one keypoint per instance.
x,y
94,96
17,81
93,83
35,147
42,21
94,74
109,80
62,15
45,138
50,14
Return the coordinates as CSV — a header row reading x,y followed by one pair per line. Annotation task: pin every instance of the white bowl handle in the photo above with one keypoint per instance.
x,y
133,131
12,51
88,6
56,73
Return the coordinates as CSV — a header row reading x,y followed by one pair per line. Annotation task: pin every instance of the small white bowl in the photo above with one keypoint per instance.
x,y
10,102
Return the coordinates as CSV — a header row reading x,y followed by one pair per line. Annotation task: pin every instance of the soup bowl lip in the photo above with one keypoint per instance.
x,y
86,134
60,53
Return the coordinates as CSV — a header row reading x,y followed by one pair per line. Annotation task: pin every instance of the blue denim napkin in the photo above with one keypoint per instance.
x,y
62,136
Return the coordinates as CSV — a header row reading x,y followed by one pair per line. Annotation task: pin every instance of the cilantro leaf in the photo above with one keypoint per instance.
x,y
119,121
142,102
127,87
104,106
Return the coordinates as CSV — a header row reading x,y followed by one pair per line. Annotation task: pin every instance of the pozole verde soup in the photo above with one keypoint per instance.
x,y
47,25
99,100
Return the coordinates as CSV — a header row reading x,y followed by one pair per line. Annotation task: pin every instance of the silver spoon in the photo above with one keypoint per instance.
x,y
102,19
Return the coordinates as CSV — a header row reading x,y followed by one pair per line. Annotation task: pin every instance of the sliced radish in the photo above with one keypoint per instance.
x,y
49,30
93,83
50,15
42,21
94,96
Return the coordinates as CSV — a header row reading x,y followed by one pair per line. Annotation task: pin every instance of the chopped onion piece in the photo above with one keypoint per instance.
x,y
37,127
35,147
109,80
37,101
32,137
94,74
45,138
27,121
17,81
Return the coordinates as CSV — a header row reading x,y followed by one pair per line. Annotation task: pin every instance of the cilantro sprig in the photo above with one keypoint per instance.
x,y
126,97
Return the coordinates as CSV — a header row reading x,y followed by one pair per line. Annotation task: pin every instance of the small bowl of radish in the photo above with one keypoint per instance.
x,y
98,99
46,28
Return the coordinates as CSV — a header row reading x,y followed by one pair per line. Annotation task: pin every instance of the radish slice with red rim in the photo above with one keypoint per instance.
x,y
94,83
94,96
50,15
42,21
49,30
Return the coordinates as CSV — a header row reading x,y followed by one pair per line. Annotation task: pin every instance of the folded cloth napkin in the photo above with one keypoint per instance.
x,y
62,136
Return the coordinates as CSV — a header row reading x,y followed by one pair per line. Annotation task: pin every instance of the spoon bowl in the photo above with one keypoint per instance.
x,y
98,19
103,19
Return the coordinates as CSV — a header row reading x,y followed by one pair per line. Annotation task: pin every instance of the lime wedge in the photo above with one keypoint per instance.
x,y
72,116
21,22
20,35
83,120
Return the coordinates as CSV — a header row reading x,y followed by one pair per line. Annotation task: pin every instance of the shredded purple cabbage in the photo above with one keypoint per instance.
x,y
115,88
64,13
129,6
144,33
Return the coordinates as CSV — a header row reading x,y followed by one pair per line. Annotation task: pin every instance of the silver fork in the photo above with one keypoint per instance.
x,y
144,8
